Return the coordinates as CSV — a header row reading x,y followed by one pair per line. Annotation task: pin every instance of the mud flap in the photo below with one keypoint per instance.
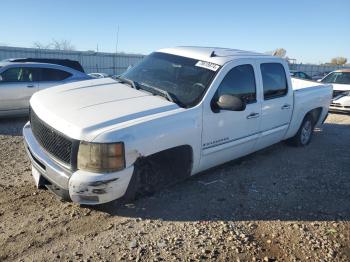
x,y
36,175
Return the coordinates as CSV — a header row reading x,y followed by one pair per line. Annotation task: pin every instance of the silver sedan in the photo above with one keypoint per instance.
x,y
19,81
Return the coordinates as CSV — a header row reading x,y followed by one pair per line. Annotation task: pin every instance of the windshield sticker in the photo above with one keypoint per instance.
x,y
208,65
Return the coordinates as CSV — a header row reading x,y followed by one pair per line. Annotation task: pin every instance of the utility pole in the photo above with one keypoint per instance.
x,y
116,51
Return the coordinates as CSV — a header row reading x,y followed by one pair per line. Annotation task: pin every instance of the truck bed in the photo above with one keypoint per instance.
x,y
299,84
308,95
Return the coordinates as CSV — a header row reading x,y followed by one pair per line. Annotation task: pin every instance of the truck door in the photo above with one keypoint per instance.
x,y
277,103
230,134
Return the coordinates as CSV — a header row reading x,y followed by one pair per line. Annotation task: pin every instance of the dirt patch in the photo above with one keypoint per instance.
x,y
281,203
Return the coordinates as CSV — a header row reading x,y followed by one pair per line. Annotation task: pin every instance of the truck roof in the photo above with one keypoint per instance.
x,y
215,55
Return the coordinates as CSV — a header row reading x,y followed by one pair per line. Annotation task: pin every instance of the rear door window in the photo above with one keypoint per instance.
x,y
274,80
19,74
50,74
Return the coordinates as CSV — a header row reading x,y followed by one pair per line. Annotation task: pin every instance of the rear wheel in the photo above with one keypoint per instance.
x,y
304,135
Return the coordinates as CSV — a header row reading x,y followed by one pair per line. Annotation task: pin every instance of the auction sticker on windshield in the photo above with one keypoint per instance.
x,y
208,65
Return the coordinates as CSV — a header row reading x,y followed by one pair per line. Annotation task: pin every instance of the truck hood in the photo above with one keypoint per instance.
x,y
82,110
341,87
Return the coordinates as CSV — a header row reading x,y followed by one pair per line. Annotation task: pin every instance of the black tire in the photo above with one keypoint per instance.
x,y
304,135
143,181
158,171
149,177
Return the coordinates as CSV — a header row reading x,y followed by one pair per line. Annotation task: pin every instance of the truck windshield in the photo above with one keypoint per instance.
x,y
185,79
337,78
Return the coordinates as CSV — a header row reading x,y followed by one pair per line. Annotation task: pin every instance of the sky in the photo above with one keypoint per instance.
x,y
312,31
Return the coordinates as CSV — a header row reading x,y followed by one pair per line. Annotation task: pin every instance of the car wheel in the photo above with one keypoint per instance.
x,y
304,135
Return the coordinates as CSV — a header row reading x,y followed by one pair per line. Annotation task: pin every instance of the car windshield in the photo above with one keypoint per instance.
x,y
337,78
184,79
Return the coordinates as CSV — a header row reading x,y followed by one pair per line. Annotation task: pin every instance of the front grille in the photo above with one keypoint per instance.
x,y
56,144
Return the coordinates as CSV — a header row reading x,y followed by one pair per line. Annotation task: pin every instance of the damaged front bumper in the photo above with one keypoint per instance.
x,y
80,186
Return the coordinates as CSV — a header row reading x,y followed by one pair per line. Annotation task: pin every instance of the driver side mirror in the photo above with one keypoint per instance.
x,y
231,103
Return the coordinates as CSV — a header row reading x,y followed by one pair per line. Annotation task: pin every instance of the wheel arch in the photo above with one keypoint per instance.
x,y
158,170
315,114
177,154
298,118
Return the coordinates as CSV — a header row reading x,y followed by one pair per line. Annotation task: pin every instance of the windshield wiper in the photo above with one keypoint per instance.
x,y
131,83
154,90
157,91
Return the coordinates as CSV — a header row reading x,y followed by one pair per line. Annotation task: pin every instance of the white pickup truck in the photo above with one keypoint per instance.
x,y
178,112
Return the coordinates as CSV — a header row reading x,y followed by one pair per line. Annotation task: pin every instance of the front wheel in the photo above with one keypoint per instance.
x,y
304,135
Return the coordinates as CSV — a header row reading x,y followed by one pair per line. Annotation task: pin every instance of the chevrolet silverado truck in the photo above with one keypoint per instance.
x,y
178,112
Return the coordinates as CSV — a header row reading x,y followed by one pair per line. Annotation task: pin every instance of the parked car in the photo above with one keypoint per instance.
x,y
20,80
319,76
340,79
178,112
99,75
299,74
115,77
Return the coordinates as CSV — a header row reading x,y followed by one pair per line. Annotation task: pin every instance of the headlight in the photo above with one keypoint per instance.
x,y
101,158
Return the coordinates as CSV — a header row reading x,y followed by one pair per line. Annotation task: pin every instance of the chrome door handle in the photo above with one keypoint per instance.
x,y
30,86
253,115
286,106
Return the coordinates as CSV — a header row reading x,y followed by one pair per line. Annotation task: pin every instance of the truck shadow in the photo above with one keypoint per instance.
x,y
12,126
277,183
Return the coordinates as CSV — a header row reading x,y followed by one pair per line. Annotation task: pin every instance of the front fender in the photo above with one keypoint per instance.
x,y
158,133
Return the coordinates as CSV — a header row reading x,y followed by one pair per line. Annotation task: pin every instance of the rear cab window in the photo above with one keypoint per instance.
x,y
274,80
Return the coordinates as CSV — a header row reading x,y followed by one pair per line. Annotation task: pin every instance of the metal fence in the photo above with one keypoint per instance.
x,y
312,70
109,63
112,63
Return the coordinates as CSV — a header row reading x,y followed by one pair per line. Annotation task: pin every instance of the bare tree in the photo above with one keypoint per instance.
x,y
39,45
62,45
281,52
339,60
55,44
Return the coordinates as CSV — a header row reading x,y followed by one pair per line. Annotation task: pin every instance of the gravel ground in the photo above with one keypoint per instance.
x,y
279,204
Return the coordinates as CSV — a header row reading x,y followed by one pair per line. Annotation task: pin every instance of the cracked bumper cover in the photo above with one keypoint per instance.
x,y
83,187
